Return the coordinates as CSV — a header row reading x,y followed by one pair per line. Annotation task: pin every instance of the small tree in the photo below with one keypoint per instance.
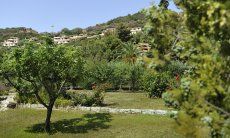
x,y
35,68
124,33
121,74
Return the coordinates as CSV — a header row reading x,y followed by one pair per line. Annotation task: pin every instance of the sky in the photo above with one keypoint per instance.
x,y
54,15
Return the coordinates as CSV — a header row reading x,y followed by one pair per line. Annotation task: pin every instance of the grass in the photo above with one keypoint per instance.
x,y
133,100
25,123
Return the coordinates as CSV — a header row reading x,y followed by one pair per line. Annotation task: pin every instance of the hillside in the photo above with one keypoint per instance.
x,y
135,20
20,32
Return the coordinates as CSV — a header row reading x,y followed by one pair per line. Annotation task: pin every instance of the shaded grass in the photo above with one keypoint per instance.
x,y
26,123
76,125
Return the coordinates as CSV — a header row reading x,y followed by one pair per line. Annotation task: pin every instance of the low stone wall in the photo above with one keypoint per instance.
x,y
103,109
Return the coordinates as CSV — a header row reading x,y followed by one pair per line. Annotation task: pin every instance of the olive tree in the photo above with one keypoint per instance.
x,y
47,68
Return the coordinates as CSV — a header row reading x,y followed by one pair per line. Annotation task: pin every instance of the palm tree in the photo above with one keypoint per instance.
x,y
130,53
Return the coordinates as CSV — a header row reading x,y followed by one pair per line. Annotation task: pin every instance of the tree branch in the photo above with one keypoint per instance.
x,y
40,100
218,108
60,89
12,84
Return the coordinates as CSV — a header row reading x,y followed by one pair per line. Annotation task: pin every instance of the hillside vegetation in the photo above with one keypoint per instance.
x,y
20,32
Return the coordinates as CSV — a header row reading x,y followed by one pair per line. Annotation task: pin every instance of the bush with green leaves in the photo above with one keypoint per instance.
x,y
87,98
62,102
136,73
155,84
176,67
3,92
97,72
120,74
24,98
169,101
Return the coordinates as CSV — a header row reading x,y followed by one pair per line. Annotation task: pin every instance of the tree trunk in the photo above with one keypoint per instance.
x,y
48,117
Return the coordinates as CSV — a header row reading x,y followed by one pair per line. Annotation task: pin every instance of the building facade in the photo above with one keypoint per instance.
x,y
61,40
135,30
13,41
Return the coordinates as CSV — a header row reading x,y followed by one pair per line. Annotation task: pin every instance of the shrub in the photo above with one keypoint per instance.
x,y
82,98
99,93
136,72
120,74
176,67
89,98
25,98
61,102
169,101
3,92
155,85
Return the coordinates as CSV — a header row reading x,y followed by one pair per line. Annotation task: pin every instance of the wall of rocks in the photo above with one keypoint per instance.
x,y
103,109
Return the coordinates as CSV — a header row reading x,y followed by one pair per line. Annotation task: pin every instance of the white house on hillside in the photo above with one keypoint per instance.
x,y
135,30
61,40
13,41
76,37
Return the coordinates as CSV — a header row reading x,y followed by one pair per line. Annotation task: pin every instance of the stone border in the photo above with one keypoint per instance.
x,y
103,109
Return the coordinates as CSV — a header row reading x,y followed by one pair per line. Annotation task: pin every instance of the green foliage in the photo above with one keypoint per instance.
x,y
155,84
120,74
4,92
162,26
99,72
130,53
20,32
86,98
203,96
36,68
61,102
136,73
123,33
24,98
67,32
176,68
169,101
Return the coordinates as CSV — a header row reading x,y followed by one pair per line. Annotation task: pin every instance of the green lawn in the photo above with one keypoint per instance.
x,y
133,100
25,123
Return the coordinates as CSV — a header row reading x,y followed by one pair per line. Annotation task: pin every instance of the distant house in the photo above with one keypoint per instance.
x,y
135,30
109,30
93,36
143,47
76,37
102,34
13,41
61,40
